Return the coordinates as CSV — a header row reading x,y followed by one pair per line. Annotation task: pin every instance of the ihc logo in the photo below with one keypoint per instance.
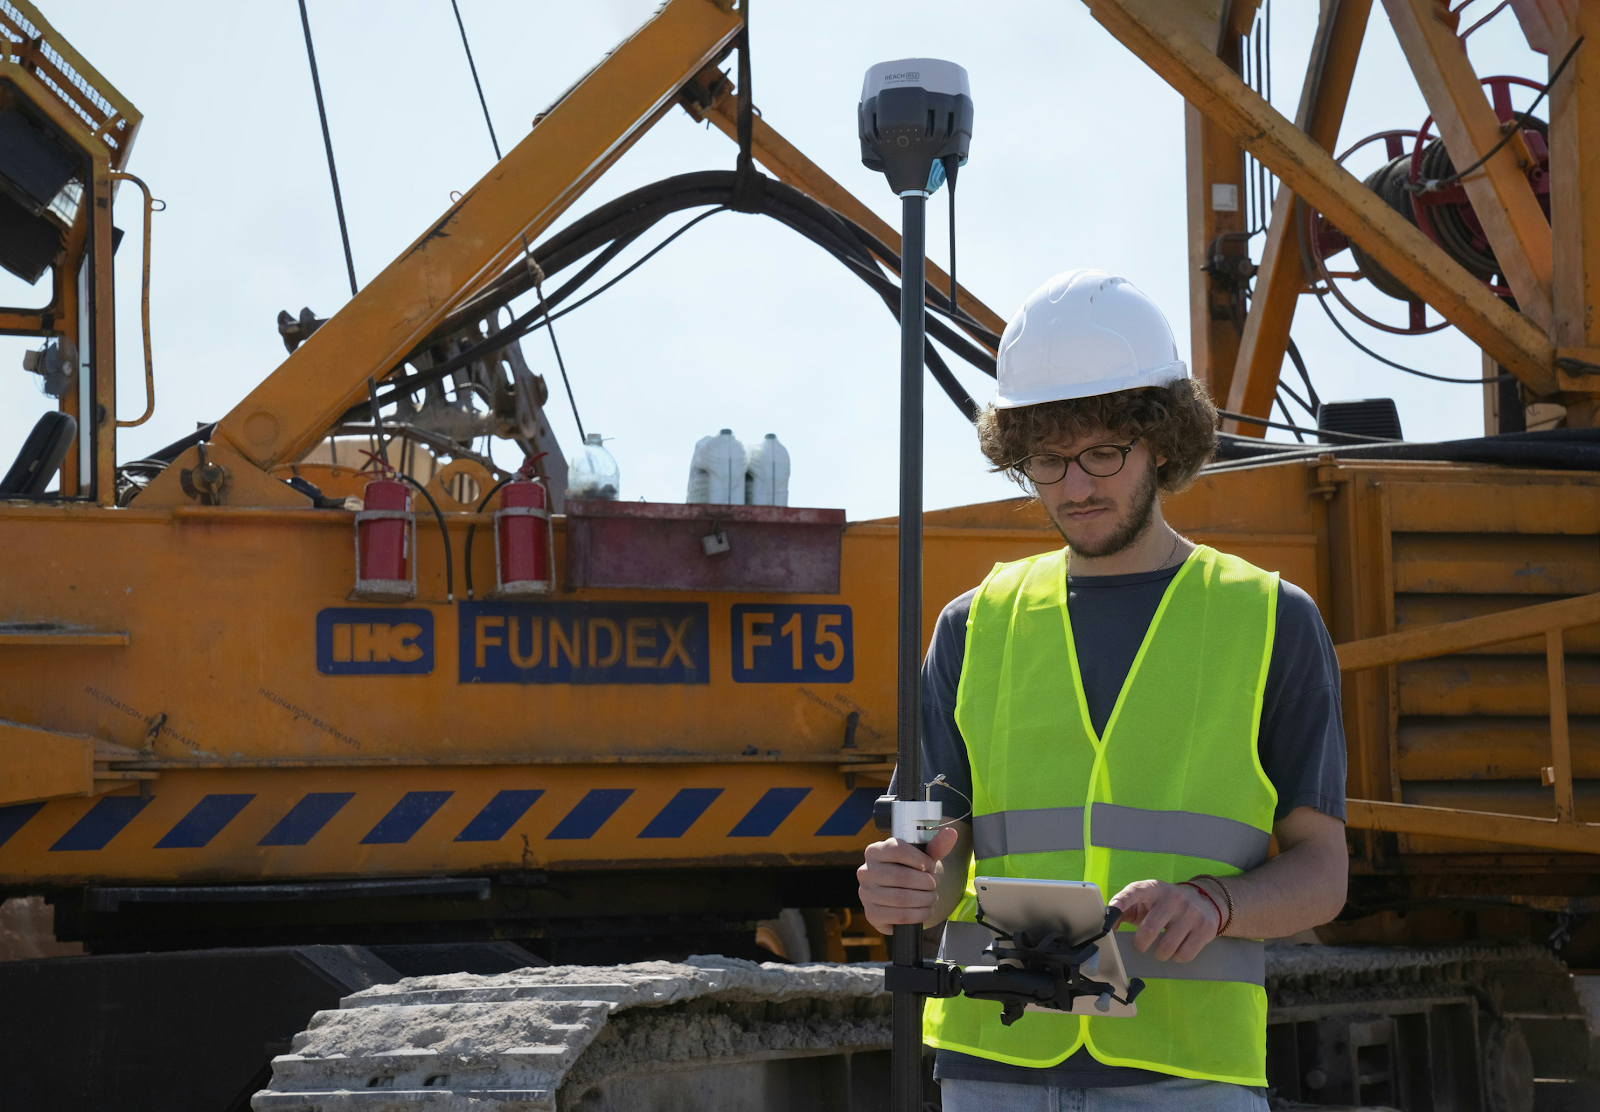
x,y
363,642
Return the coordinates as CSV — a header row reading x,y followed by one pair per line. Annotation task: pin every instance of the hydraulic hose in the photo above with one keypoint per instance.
x,y
444,535
612,227
473,528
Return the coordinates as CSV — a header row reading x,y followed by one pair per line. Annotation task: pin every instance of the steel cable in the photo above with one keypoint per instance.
x,y
327,143
471,65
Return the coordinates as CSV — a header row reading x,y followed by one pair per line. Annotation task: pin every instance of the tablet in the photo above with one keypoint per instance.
x,y
1073,907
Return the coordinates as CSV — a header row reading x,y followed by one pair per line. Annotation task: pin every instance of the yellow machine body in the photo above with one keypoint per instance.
x,y
189,697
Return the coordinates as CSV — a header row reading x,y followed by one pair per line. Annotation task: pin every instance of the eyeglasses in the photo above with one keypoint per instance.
x,y
1100,460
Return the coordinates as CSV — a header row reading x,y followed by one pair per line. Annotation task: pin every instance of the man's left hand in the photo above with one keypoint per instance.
x,y
1176,920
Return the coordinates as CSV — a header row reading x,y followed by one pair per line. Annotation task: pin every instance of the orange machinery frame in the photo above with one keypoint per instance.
x,y
181,679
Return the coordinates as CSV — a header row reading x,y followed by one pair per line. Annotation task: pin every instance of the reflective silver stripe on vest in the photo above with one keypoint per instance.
x,y
1052,829
1223,959
1178,832
1041,830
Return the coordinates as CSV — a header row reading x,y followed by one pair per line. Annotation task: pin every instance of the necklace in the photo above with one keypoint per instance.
x,y
1176,539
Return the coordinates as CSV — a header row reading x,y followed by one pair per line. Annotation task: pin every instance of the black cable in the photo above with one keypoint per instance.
x,y
951,164
645,206
520,327
1437,184
633,266
936,365
1321,300
1305,375
380,445
476,83
1287,416
1266,20
1354,438
444,535
404,384
629,216
1556,449
936,328
327,142
178,447
523,325
635,212
1297,399
1261,202
549,328
473,528
1265,190
749,184
949,383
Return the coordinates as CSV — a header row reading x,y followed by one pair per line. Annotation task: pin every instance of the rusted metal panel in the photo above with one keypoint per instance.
x,y
1494,685
1491,747
660,546
1563,508
1495,564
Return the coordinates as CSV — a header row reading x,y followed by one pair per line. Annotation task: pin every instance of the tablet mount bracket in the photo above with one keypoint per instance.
x,y
1048,970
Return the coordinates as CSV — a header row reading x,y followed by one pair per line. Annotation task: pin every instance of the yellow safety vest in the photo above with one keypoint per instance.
x,y
1174,788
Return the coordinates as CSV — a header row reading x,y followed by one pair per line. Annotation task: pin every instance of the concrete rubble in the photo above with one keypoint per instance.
x,y
571,1037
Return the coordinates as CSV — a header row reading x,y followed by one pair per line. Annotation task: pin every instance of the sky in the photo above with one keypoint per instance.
x,y
1077,160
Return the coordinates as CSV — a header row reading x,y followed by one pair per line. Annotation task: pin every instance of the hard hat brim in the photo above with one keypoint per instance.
x,y
1158,376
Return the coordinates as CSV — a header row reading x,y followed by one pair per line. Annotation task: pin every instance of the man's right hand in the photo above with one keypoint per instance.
x,y
900,881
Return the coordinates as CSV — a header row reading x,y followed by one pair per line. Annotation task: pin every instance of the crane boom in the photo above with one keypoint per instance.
x,y
586,131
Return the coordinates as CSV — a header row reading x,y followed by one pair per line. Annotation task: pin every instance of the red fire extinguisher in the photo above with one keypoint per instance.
x,y
386,535
524,549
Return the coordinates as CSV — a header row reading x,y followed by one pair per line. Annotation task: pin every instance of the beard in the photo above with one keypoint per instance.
x,y
1141,512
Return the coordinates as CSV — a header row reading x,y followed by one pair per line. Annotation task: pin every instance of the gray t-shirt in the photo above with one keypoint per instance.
x,y
1301,740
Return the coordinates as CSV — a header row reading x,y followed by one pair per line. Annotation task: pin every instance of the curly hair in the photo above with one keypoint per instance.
x,y
1177,421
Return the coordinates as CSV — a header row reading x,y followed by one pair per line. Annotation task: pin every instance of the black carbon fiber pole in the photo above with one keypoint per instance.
x,y
905,1072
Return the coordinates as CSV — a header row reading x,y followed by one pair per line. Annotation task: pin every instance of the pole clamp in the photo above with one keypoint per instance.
x,y
941,979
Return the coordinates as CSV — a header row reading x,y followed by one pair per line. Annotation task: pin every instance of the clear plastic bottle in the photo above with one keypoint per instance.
x,y
716,473
593,471
767,473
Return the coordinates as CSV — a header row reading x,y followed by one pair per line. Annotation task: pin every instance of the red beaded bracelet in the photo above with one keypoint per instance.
x,y
1209,899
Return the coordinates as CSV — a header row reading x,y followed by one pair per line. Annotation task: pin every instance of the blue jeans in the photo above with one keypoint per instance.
x,y
1179,1094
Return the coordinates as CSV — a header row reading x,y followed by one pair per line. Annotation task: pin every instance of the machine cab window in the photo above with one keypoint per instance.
x,y
65,136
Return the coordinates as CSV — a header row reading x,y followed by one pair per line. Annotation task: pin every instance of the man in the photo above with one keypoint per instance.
x,y
1136,711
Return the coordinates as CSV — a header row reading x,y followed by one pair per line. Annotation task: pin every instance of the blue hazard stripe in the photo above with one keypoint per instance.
x,y
306,818
204,821
770,811
851,815
680,813
405,818
590,814
501,814
12,819
104,822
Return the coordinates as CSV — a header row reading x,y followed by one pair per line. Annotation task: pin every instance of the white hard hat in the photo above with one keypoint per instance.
x,y
1083,333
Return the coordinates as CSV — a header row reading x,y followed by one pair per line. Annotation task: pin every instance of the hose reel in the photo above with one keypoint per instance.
x,y
1442,211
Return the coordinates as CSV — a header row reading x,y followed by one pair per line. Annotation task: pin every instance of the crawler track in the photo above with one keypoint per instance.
x,y
718,1032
